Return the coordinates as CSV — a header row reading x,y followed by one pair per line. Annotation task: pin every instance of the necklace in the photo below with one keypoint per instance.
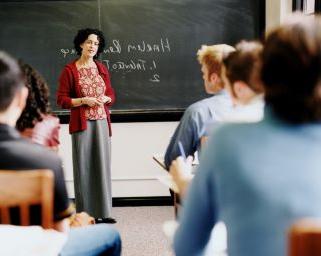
x,y
85,65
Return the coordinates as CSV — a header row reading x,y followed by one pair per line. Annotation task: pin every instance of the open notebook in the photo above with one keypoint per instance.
x,y
159,158
165,178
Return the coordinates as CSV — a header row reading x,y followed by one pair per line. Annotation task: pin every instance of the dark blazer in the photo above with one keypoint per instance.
x,y
20,154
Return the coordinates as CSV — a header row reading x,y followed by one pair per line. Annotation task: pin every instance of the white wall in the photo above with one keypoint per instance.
x,y
133,170
276,12
133,144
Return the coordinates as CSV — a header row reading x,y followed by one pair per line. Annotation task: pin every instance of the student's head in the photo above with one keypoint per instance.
x,y
89,42
13,93
241,72
210,58
38,98
291,70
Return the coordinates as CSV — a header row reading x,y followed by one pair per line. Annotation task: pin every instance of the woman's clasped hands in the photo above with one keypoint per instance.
x,y
92,101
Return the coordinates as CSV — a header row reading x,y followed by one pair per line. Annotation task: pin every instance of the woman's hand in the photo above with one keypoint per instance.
x,y
91,101
105,99
181,170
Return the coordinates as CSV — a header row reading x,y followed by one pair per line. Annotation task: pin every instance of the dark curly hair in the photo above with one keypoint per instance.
x,y
291,70
82,36
38,98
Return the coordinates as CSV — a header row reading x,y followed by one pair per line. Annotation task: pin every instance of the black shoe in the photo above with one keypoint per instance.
x,y
105,220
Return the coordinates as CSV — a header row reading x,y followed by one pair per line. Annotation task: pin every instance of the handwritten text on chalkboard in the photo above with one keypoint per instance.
x,y
137,51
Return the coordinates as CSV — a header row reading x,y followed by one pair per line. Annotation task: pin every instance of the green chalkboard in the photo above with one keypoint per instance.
x,y
151,45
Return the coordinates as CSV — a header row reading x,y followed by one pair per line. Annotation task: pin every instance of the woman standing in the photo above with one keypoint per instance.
x,y
84,87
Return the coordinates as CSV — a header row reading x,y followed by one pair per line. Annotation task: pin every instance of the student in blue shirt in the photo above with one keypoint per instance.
x,y
193,123
240,74
258,178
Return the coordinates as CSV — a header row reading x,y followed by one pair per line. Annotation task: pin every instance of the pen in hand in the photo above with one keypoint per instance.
x,y
181,149
180,170
188,160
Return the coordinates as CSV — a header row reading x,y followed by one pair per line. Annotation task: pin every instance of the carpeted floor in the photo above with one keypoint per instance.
x,y
141,230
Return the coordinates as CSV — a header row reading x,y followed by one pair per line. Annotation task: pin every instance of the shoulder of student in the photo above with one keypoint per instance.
x,y
233,132
30,155
199,106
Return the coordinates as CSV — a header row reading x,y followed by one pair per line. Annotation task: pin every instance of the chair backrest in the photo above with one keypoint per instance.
x,y
25,188
305,238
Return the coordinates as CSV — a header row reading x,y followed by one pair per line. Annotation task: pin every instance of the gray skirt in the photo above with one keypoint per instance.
x,y
91,154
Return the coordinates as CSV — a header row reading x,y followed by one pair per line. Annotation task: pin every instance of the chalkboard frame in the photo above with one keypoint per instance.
x,y
150,115
146,116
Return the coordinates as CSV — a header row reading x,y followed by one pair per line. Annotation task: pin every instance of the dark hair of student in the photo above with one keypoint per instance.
x,y
10,80
291,70
244,64
82,36
38,98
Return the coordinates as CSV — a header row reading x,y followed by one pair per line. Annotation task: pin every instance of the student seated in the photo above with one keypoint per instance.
x,y
202,115
20,154
241,76
260,177
240,73
36,121
193,123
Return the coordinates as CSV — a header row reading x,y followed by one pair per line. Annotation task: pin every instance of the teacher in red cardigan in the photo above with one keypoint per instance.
x,y
85,89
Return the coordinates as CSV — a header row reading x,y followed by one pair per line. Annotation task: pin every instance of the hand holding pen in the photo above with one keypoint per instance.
x,y
180,170
189,159
181,150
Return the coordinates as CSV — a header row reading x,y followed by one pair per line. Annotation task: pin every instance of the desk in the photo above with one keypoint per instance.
x,y
168,181
217,244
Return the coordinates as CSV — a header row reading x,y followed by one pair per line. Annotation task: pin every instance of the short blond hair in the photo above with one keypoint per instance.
x,y
212,56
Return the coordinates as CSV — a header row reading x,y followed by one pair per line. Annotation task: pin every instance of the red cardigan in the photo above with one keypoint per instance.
x,y
69,88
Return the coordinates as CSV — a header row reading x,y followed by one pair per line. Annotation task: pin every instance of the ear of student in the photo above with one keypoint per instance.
x,y
22,95
214,78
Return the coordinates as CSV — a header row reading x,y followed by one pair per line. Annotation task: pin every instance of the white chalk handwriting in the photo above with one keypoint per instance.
x,y
139,65
161,47
116,47
139,49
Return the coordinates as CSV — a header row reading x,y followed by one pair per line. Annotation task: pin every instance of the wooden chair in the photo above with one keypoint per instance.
x,y
305,238
25,188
